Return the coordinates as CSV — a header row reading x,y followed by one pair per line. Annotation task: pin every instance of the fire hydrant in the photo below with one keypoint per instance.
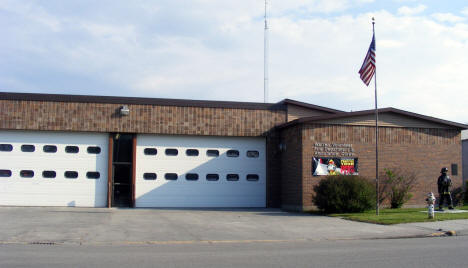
x,y
430,205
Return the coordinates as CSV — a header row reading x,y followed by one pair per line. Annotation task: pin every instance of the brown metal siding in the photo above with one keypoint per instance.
x,y
295,112
386,120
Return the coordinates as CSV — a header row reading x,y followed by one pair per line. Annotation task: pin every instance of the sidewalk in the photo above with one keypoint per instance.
x,y
132,226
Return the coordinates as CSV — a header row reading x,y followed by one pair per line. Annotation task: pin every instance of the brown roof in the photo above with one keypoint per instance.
x,y
143,101
368,112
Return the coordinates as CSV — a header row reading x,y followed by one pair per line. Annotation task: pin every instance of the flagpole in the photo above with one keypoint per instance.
x,y
376,133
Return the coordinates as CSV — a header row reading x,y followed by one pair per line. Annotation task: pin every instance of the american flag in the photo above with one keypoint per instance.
x,y
367,70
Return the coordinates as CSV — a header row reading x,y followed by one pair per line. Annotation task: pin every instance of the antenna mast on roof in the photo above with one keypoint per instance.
x,y
265,58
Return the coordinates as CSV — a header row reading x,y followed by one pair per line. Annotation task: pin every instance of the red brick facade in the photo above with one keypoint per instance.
x,y
103,117
423,151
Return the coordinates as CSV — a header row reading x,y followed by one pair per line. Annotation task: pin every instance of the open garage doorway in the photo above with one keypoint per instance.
x,y
122,185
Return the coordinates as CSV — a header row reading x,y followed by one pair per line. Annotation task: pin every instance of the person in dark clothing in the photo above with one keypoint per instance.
x,y
443,186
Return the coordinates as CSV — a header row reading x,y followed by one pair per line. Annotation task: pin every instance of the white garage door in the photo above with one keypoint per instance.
x,y
53,169
192,171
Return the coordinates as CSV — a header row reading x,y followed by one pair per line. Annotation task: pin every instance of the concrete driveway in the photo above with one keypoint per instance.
x,y
153,226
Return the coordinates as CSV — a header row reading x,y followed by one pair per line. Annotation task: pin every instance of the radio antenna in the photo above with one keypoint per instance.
x,y
265,57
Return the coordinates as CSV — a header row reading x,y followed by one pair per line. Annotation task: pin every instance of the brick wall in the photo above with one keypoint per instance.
x,y
291,168
465,161
424,151
102,117
273,166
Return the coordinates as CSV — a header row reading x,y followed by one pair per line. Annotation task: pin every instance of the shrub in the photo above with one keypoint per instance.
x,y
343,194
457,196
397,186
465,200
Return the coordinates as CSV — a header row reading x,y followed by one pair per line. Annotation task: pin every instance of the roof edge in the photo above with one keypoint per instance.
x,y
367,112
139,100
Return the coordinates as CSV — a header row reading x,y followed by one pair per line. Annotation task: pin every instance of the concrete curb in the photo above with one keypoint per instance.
x,y
215,242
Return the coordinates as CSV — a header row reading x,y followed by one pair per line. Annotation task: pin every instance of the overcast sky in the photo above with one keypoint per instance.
x,y
213,50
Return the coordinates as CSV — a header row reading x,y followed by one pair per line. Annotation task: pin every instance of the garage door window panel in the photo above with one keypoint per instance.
x,y
232,153
94,150
6,147
93,175
171,176
26,174
253,177
212,153
191,176
150,151
70,174
253,154
28,148
150,176
72,149
232,177
49,149
172,152
212,177
49,174
5,173
191,152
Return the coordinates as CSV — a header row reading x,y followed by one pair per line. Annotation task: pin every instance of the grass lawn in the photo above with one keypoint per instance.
x,y
402,215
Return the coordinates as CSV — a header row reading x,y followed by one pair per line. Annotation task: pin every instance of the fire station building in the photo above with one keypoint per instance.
x,y
97,151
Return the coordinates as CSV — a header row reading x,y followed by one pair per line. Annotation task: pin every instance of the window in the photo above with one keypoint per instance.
x,y
172,152
28,148
212,177
454,168
232,177
5,173
71,174
191,176
191,152
27,173
149,176
252,177
232,153
253,154
212,153
170,176
150,151
6,147
72,149
94,150
49,149
93,175
49,174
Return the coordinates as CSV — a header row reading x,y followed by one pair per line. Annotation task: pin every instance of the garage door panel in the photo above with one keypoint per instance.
x,y
42,190
202,192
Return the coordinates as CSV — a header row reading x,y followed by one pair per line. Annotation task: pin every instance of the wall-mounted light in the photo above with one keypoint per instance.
x,y
124,110
282,147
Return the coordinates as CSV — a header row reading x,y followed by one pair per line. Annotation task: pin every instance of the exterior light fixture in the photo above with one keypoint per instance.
x,y
282,147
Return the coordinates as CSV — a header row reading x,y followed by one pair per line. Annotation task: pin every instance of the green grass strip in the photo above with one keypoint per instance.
x,y
401,215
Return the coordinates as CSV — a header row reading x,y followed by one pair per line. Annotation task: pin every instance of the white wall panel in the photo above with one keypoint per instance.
x,y
200,193
58,191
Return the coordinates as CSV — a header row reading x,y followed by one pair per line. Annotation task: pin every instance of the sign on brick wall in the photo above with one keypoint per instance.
x,y
334,166
333,149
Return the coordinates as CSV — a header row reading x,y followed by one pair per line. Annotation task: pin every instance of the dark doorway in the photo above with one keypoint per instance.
x,y
122,170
